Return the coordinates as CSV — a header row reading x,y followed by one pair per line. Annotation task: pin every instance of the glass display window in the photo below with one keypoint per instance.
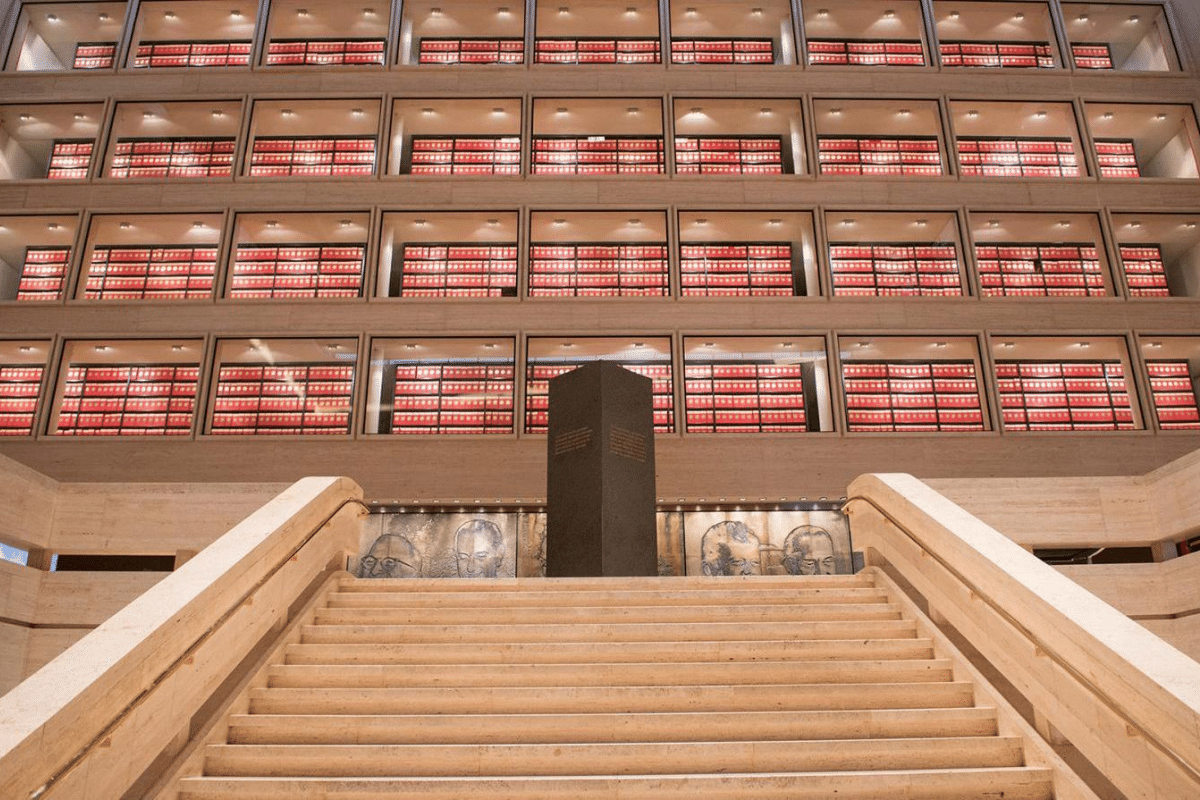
x,y
596,32
55,142
175,140
715,32
283,387
127,387
188,34
756,384
326,33
1160,253
912,384
722,136
747,254
296,256
313,138
1040,255
1017,140
895,138
22,373
441,386
452,254
456,137
597,136
999,35
1133,37
598,254
150,257
1065,383
895,254
1173,376
869,33
58,37
35,256
548,357
1144,140
462,32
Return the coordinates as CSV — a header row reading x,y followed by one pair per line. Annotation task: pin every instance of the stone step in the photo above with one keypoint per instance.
x,y
606,615
612,652
629,674
801,595
611,699
733,584
1010,783
625,758
550,728
616,632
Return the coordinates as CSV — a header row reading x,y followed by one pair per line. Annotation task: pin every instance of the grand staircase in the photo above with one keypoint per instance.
x,y
831,686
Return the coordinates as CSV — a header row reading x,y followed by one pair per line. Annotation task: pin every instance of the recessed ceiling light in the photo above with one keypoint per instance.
x,y
147,115
904,112
125,226
169,15
80,116
632,110
25,348
25,117
972,114
103,17
301,12
51,226
1189,225
1160,117
52,17
1019,16
272,223
368,12
101,348
1040,115
1107,115
766,110
218,113
889,14
235,14
177,348
953,15
1082,17
197,224
775,221
286,112
358,112
345,223
1135,18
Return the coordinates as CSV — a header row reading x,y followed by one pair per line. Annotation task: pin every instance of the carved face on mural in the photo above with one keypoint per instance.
x,y
478,549
730,548
808,550
392,556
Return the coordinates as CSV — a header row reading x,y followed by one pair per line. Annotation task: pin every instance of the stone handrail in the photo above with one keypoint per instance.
x,y
1126,699
92,722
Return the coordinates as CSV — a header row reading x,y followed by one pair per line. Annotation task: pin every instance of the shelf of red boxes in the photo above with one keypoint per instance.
x,y
325,52
43,273
598,155
729,155
597,269
866,52
449,397
210,53
1174,392
1039,269
1030,55
596,50
151,272
1063,396
70,159
879,155
297,270
899,269
128,400
1091,55
466,155
912,396
1117,158
283,399
1011,157
444,50
714,50
20,385
537,390
737,269
94,55
280,156
744,397
455,269
1145,272
172,158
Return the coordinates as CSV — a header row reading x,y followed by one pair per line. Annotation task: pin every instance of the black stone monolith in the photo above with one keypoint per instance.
x,y
600,474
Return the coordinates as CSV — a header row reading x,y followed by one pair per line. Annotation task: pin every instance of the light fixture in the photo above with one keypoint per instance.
x,y
80,116
217,113
972,114
301,12
177,348
690,10
1007,345
1107,115
197,224
568,344
921,223
635,221
639,344
1189,225
560,110
493,221
333,347
410,346
1082,17
701,221
345,223
775,221
368,12
436,11
272,223
1160,117
822,12
847,222
502,10
710,344
25,348
147,115
953,15
1135,18
835,111
632,110
889,14
1156,345
1083,344
168,15
993,223
939,344
51,226
125,226
101,348
286,112
630,9
358,112
420,222
25,117
904,112
102,16
235,14
1040,115
498,110
1135,224
490,346
756,11
52,18
766,110
787,345
560,221
564,9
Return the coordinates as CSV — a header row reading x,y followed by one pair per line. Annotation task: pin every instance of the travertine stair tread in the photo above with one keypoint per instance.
x,y
627,674
614,632
598,727
351,652
622,699
719,597
607,615
1009,783
621,758
551,586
